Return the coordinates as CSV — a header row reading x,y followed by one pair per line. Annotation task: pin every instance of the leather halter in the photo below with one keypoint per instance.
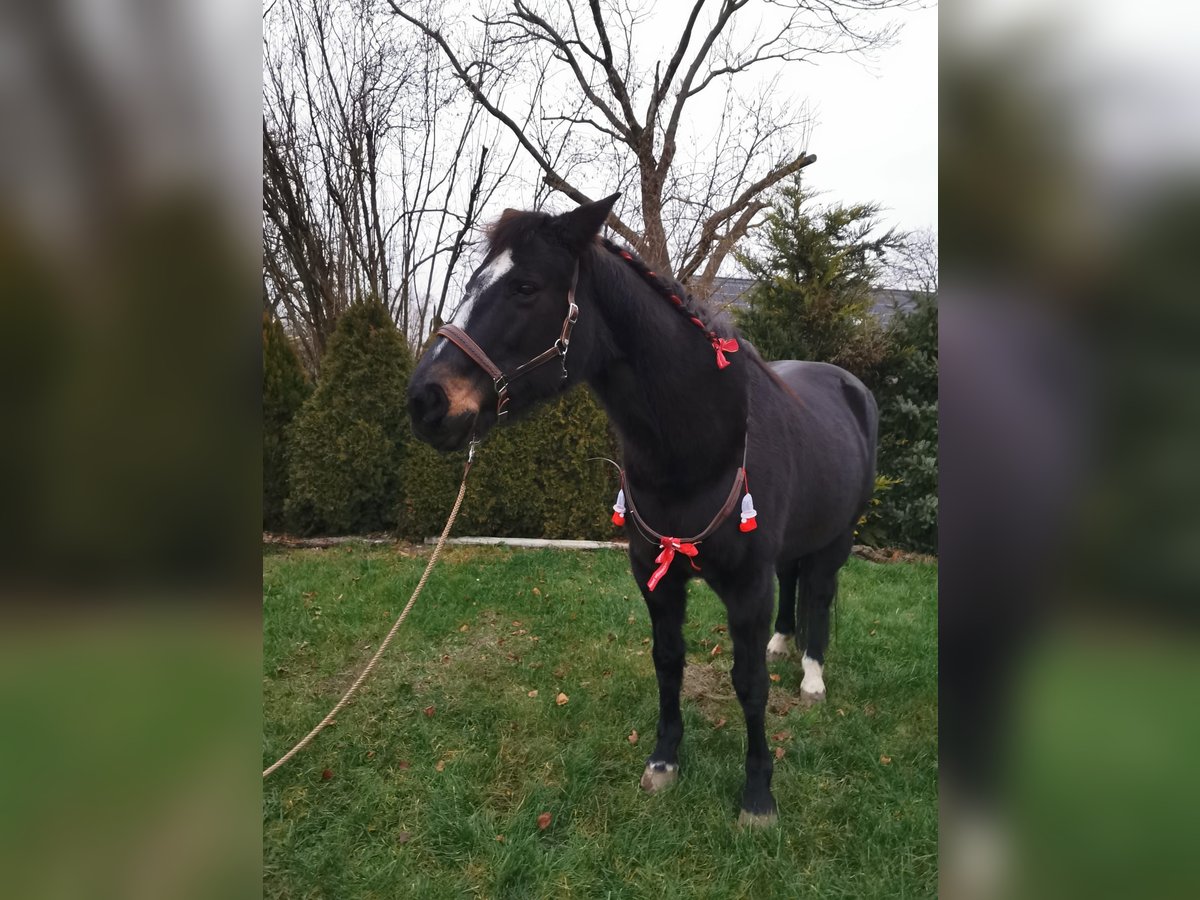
x,y
500,381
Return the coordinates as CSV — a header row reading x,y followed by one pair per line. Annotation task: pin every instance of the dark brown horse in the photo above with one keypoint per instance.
x,y
702,420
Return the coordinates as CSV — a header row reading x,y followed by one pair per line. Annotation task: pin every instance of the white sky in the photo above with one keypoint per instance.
x,y
876,132
875,128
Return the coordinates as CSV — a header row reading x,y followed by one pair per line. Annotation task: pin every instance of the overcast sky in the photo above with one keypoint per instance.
x,y
876,131
875,127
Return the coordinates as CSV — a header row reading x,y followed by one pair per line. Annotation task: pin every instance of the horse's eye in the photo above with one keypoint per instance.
x,y
525,287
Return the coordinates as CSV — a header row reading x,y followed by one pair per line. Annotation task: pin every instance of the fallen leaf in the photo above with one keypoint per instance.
x,y
441,765
633,736
841,712
404,837
404,764
774,676
886,760
720,723
779,752
645,640
429,711
632,619
537,592
872,632
327,774
533,693
516,624
370,754
781,736
465,628
544,821
561,699
716,651
499,839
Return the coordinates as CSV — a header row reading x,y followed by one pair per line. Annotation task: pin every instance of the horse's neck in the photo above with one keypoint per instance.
x,y
681,419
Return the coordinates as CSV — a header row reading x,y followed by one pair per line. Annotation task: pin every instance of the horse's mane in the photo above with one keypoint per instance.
x,y
686,303
515,226
512,227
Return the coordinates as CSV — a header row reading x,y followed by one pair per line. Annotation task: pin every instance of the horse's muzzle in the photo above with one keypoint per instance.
x,y
435,422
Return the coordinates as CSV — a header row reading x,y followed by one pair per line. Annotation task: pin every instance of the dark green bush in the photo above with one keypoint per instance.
x,y
907,394
349,440
815,271
284,390
532,479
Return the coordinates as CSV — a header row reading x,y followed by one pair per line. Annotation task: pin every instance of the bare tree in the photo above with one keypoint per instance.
x,y
375,168
631,114
913,264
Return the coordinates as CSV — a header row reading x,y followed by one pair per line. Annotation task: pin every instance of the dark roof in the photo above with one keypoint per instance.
x,y
730,293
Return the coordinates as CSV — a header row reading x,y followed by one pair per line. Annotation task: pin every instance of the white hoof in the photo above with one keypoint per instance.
x,y
757,820
813,684
779,647
809,700
658,776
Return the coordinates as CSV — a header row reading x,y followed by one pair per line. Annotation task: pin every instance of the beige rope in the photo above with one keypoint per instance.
x,y
362,676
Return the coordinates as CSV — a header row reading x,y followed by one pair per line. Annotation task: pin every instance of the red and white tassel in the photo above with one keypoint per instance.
x,y
749,513
618,516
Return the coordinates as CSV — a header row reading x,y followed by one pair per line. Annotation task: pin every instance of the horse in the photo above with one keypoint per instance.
x,y
701,419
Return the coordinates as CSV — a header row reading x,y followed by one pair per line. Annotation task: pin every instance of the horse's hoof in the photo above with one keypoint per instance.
x,y
780,647
659,775
809,699
757,820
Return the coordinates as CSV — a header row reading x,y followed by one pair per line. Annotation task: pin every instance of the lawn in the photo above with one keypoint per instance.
x,y
439,771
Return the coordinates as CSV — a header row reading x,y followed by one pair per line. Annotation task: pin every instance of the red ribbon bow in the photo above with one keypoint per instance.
x,y
671,546
723,346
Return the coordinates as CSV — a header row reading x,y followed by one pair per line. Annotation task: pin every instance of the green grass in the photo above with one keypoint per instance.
x,y
447,805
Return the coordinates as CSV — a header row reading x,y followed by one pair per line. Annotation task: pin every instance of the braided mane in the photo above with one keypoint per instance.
x,y
682,300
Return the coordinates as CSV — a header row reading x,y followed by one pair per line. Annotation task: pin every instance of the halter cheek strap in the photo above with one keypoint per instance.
x,y
500,381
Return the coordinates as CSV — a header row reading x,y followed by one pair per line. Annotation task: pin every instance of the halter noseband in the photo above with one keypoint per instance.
x,y
500,381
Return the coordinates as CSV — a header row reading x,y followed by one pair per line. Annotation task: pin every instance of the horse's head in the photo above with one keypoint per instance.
x,y
508,347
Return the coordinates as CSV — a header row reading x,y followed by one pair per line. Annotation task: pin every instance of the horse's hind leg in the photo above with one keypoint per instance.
x,y
780,644
667,605
818,586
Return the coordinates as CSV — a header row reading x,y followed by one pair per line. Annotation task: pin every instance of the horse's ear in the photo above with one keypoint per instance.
x,y
579,226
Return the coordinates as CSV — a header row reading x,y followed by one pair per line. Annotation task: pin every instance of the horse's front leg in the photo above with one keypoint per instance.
x,y
667,605
750,605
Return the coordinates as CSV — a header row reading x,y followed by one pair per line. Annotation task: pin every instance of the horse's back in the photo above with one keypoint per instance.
x,y
826,385
835,424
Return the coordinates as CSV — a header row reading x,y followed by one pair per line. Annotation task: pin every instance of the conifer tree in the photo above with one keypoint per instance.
x,y
349,439
815,270
284,390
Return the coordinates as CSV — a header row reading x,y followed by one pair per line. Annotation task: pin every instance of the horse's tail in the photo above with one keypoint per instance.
x,y
866,414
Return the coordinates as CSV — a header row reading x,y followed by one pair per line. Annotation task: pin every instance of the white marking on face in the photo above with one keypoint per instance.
x,y
480,282
780,645
813,682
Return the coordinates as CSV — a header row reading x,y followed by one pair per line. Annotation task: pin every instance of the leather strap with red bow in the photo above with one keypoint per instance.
x,y
670,546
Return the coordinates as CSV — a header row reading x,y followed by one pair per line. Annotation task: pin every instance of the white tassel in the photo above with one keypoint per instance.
x,y
618,517
749,514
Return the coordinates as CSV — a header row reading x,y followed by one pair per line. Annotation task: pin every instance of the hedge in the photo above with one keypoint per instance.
x,y
350,438
284,390
531,479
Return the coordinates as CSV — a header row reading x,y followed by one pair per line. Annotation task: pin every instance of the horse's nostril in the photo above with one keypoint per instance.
x,y
428,404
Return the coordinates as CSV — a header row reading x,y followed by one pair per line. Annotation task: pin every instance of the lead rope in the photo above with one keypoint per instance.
x,y
362,676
